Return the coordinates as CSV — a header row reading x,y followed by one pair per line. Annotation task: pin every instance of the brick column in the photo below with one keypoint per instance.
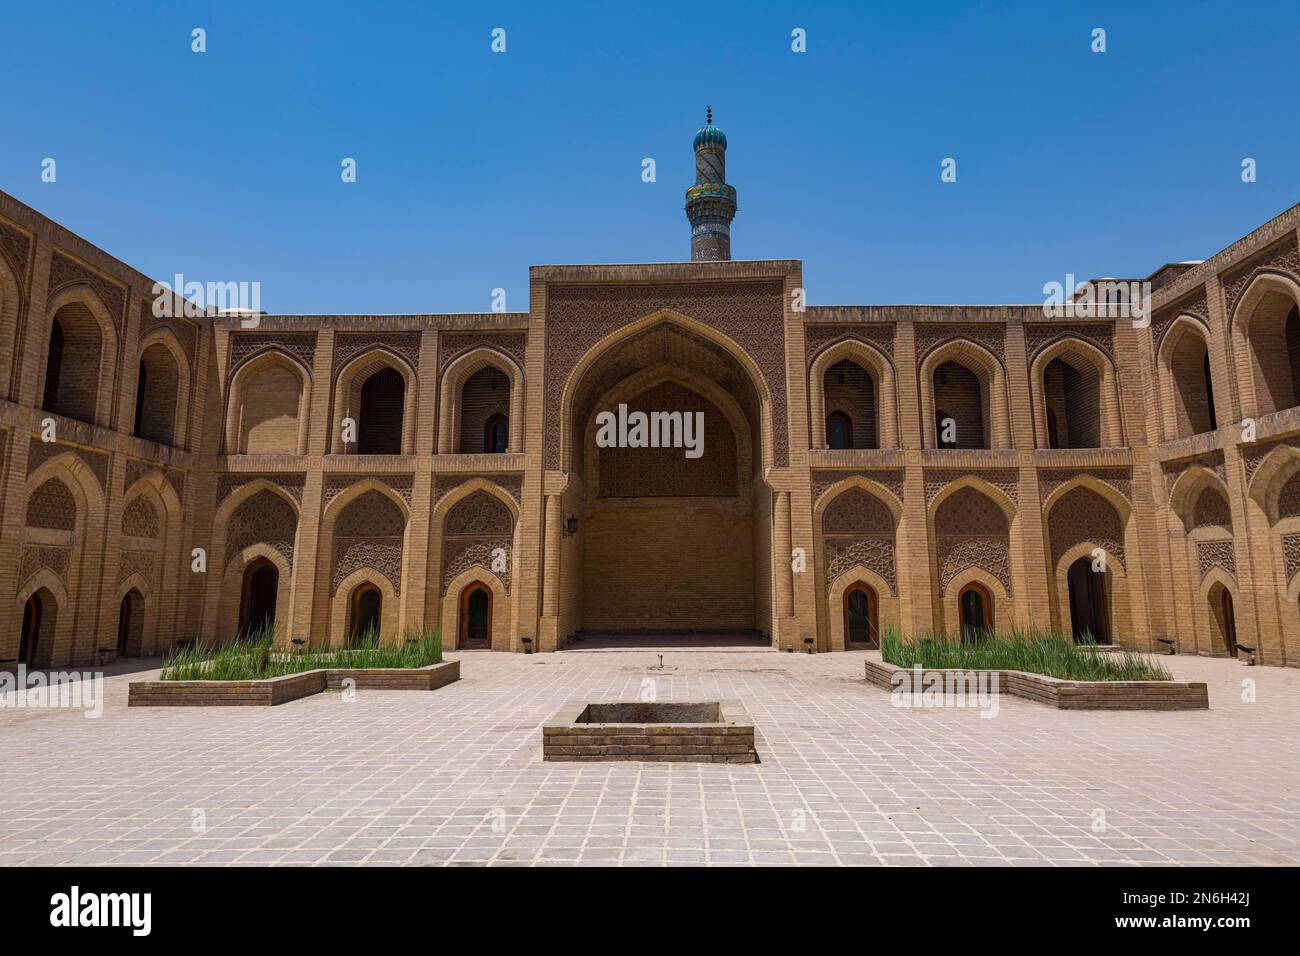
x,y
783,573
548,639
1033,603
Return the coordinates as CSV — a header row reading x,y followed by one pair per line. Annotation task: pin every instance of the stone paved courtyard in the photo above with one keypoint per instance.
x,y
455,776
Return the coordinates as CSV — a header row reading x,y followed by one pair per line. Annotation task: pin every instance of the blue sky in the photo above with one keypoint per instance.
x,y
472,165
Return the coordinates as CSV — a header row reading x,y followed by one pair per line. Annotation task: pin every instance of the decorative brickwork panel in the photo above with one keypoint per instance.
x,y
817,338
931,335
42,451
265,518
348,345
140,519
16,247
445,484
452,345
335,485
132,562
369,533
1118,478
1212,554
751,313
1281,257
1082,515
1254,455
36,557
1211,510
187,334
1213,461
858,529
1040,335
1291,554
300,345
478,530
135,470
1288,499
667,472
66,271
462,553
873,553
291,485
855,511
1006,480
479,514
52,506
890,478
1192,304
972,531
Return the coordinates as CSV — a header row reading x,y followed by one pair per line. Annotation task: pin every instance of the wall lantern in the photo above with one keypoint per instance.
x,y
570,526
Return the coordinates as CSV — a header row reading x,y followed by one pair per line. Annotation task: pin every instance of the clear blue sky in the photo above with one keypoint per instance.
x,y
473,166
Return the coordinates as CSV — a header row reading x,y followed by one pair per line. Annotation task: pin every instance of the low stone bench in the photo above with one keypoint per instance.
x,y
1063,694
270,691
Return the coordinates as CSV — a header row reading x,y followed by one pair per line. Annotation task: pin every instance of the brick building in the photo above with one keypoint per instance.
x,y
938,467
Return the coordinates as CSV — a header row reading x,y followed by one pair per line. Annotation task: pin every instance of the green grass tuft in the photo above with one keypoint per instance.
x,y
259,655
1034,651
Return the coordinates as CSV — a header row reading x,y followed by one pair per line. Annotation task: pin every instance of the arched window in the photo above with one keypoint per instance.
x,y
367,606
1073,398
379,424
156,395
1188,365
485,395
960,391
861,623
496,435
976,611
73,364
849,390
258,598
839,430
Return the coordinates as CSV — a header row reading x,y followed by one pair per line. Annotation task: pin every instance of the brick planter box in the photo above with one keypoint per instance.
x,y
709,732
278,690
1068,694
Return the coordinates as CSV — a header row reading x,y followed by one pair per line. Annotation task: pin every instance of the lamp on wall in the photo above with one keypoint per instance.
x,y
570,527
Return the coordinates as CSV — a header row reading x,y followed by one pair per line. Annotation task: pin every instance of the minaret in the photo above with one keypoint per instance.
x,y
710,203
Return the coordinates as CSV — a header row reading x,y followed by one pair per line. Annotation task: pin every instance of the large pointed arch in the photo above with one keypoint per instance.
x,y
606,346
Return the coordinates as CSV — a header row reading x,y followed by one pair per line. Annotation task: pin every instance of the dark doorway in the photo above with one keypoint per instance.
x,y
1089,612
496,435
861,626
1228,622
476,616
257,604
31,632
367,605
976,611
839,431
130,623
379,429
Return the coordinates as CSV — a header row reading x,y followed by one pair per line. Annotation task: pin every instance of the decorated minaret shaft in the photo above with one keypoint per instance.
x,y
710,203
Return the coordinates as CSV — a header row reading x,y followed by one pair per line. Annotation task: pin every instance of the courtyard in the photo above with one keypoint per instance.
x,y
455,776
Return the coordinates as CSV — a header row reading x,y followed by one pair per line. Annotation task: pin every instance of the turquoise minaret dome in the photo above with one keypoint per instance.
x,y
711,202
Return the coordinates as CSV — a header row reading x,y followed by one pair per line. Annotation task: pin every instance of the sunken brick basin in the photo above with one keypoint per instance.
x,y
278,690
703,732
1065,694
